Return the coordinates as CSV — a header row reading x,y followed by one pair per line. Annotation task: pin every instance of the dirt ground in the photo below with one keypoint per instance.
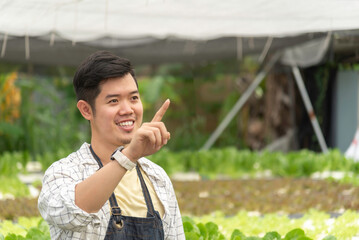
x,y
285,195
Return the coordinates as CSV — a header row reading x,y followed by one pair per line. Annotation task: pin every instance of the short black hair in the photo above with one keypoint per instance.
x,y
98,67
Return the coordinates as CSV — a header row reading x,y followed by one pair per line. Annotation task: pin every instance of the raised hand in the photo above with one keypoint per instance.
x,y
150,137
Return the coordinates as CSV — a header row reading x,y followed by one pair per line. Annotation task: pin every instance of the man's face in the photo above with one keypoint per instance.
x,y
119,112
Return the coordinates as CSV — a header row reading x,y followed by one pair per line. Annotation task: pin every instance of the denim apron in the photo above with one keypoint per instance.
x,y
133,228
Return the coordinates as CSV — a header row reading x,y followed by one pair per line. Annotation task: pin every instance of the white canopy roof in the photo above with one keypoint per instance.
x,y
188,25
193,19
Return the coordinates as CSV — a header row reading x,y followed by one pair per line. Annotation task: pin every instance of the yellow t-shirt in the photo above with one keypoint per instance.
x,y
130,197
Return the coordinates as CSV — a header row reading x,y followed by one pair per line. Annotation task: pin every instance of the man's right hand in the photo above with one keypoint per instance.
x,y
150,137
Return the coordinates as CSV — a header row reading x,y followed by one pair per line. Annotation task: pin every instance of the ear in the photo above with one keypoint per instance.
x,y
85,109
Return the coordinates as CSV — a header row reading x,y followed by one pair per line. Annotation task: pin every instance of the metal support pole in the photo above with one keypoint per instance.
x,y
4,45
241,101
308,106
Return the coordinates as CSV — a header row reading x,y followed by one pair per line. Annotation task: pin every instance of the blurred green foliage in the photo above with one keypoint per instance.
x,y
235,163
201,96
49,119
215,162
217,226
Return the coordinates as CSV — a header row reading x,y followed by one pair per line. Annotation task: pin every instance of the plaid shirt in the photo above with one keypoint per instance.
x,y
67,221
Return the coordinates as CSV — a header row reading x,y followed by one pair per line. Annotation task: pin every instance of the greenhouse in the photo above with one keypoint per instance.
x,y
263,114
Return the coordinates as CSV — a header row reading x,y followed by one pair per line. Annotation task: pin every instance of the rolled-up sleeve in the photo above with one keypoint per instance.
x,y
57,200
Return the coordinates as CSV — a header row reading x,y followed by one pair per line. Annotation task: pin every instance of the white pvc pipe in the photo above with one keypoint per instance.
x,y
265,49
27,47
241,101
239,48
52,39
3,49
308,106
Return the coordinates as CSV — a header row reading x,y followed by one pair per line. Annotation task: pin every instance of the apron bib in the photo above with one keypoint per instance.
x,y
133,228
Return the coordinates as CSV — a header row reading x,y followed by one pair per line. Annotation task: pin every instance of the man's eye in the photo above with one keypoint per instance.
x,y
113,101
135,98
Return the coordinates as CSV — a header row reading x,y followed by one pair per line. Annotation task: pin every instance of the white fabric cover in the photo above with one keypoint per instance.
x,y
63,32
191,19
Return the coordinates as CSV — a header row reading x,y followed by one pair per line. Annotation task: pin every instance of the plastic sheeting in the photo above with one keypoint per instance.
x,y
307,54
61,32
87,20
140,51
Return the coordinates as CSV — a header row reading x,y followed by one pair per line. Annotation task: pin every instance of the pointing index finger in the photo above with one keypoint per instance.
x,y
161,112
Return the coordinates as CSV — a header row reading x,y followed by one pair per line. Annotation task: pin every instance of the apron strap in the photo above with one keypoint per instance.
x,y
96,157
114,206
146,194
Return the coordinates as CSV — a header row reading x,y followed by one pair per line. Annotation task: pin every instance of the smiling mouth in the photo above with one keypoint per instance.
x,y
125,124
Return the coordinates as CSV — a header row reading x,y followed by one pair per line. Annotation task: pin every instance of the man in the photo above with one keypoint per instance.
x,y
107,189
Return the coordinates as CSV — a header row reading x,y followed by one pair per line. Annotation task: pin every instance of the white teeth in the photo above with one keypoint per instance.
x,y
127,123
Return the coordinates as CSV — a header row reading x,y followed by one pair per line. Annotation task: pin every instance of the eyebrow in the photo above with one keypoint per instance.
x,y
118,95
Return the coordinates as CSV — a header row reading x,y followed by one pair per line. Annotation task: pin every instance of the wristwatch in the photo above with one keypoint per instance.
x,y
122,159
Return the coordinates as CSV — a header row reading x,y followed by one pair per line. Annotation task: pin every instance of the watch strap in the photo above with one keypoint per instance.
x,y
122,159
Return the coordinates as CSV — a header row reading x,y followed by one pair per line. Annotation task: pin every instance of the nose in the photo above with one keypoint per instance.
x,y
125,108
